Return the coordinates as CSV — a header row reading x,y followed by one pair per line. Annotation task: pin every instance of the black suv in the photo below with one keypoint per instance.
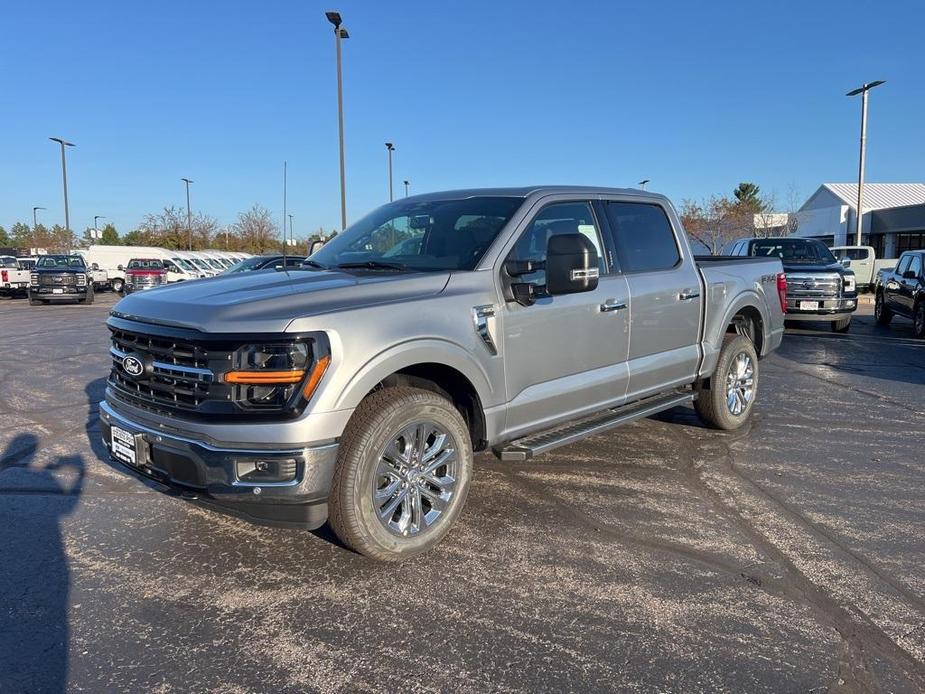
x,y
57,277
819,288
900,291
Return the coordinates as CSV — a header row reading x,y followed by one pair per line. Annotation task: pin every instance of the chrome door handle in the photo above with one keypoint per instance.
x,y
612,305
688,294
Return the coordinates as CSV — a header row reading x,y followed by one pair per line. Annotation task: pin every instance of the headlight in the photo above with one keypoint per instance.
x,y
849,281
81,280
275,376
34,279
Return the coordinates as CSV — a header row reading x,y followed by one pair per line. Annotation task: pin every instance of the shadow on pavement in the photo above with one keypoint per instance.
x,y
34,573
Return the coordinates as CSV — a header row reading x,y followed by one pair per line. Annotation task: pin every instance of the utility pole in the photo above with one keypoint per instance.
x,y
339,34
96,229
67,212
859,217
189,214
389,146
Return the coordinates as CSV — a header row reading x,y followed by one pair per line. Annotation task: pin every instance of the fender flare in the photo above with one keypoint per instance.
x,y
748,298
411,353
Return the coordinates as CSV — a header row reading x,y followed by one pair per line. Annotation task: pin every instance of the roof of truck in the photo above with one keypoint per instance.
x,y
526,191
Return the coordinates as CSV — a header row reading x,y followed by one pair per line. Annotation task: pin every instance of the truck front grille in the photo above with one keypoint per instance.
x,y
57,280
145,281
806,286
179,375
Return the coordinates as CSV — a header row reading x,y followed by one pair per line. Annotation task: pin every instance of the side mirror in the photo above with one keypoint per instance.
x,y
120,268
909,275
571,264
95,266
846,262
315,246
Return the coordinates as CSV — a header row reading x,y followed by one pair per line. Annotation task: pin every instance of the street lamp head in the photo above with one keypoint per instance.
x,y
644,181
342,33
64,143
39,208
186,180
334,18
407,183
865,87
389,146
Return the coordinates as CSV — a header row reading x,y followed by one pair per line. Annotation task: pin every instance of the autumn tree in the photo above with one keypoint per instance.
x,y
169,229
255,231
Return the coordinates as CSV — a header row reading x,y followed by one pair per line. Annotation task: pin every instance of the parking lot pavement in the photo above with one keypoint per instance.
x,y
785,557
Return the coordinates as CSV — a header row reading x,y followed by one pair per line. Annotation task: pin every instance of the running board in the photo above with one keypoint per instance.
x,y
532,445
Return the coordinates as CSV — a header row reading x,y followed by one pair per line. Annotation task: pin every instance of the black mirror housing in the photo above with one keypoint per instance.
x,y
316,245
571,264
909,275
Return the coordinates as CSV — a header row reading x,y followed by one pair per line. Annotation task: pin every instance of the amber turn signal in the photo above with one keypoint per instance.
x,y
264,378
315,378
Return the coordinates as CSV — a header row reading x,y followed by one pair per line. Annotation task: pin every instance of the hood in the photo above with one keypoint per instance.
x,y
815,267
268,301
61,270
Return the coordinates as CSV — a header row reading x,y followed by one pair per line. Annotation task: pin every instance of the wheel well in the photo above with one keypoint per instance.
x,y
747,321
451,384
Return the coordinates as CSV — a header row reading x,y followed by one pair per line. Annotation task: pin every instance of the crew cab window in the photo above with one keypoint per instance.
x,y
643,237
558,218
145,264
916,265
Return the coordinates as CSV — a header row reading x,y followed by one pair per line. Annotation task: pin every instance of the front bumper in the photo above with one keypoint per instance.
x,y
827,309
66,292
207,472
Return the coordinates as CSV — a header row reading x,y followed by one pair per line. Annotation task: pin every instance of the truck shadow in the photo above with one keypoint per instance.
x,y
34,573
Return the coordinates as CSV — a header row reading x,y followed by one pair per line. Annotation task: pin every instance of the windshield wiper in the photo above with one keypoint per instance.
x,y
371,265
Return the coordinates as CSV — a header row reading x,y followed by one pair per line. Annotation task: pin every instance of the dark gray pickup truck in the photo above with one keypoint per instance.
x,y
356,388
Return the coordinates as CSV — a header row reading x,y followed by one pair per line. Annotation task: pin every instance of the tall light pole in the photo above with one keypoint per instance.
x,y
189,214
285,186
407,183
67,211
96,230
389,146
35,223
340,33
862,90
642,183
291,235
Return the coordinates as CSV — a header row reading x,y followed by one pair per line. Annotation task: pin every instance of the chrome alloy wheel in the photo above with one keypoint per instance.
x,y
740,384
415,479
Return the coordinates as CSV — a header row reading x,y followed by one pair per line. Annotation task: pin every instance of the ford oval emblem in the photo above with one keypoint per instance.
x,y
808,284
132,365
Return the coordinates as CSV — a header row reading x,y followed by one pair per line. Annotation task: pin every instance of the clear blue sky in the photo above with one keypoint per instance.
x,y
695,96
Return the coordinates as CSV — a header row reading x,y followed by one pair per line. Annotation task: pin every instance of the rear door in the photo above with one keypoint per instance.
x,y
564,355
665,301
893,293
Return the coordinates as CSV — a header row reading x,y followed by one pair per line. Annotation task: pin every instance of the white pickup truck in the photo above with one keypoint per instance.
x,y
864,263
14,277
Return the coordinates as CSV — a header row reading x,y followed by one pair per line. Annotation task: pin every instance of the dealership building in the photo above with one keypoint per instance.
x,y
893,219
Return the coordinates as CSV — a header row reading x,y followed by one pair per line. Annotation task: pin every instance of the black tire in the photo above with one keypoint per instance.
x,y
918,319
711,404
90,297
378,423
841,326
881,312
35,302
117,285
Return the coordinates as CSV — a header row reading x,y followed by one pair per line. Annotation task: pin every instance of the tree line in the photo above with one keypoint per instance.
x,y
719,219
254,231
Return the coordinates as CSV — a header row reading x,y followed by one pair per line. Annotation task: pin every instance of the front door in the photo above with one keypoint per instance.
x,y
564,355
665,301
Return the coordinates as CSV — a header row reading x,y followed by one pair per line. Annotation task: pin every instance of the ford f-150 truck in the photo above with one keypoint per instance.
x,y
57,277
900,291
14,278
819,288
356,388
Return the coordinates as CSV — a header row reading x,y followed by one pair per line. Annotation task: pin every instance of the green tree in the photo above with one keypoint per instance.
x,y
4,239
109,237
748,196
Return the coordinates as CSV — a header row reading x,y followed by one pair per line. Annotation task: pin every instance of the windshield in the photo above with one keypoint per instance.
x,y
421,235
7,261
215,264
255,262
74,261
794,250
183,264
200,264
145,264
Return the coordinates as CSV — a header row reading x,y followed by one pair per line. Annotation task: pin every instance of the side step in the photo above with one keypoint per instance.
x,y
532,445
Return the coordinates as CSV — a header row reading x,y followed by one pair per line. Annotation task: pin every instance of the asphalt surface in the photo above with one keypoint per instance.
x,y
789,556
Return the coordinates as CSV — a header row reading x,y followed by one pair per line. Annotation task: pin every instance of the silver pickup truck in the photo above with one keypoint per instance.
x,y
356,388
